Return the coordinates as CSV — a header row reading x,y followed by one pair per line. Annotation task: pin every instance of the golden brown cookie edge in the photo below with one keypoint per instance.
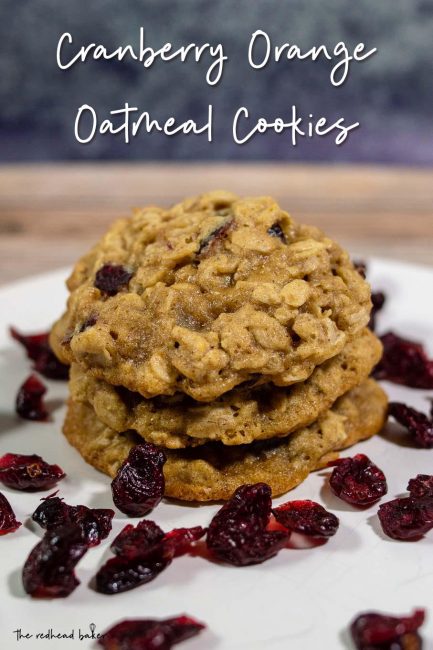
x,y
109,448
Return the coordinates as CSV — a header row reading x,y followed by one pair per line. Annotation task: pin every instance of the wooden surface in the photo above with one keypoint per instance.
x,y
50,214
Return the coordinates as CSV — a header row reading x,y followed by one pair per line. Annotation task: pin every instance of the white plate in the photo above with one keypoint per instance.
x,y
301,599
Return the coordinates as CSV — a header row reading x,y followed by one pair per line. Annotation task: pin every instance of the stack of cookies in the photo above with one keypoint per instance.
x,y
225,333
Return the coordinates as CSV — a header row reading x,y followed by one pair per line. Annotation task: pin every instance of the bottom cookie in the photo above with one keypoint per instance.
x,y
213,471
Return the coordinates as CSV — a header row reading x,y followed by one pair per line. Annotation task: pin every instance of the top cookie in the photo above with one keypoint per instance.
x,y
211,293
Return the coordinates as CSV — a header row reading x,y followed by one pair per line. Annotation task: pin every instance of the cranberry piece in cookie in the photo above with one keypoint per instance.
x,y
111,278
361,267
276,231
209,244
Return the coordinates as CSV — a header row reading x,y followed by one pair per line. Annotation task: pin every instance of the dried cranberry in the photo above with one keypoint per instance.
x,y
404,362
28,472
208,243
378,300
421,486
139,540
33,343
143,551
237,534
122,573
406,518
52,513
373,630
418,424
49,569
8,521
98,522
306,517
135,541
139,484
357,480
29,401
95,523
111,278
276,231
39,350
149,634
179,540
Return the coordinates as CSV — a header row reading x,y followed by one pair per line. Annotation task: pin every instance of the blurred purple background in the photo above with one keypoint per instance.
x,y
391,94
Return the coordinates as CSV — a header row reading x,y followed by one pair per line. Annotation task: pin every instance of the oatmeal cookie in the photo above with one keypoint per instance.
x,y
237,417
207,295
214,471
